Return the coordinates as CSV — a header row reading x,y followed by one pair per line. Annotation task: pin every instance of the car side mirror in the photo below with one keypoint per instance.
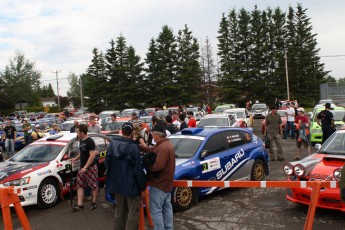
x,y
204,154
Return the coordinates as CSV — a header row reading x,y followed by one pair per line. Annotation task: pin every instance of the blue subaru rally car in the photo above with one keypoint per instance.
x,y
216,155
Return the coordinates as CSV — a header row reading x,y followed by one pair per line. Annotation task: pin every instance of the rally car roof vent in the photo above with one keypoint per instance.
x,y
191,131
54,137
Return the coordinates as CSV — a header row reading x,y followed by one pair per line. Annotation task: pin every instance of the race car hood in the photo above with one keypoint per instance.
x,y
10,170
325,168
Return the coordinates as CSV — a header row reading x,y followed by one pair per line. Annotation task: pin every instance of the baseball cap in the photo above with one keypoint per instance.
x,y
127,126
37,126
159,127
300,110
134,113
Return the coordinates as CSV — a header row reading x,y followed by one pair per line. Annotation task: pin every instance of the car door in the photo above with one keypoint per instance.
x,y
215,157
239,151
102,145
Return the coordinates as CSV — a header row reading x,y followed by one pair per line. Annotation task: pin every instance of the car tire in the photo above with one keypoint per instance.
x,y
258,171
48,194
183,198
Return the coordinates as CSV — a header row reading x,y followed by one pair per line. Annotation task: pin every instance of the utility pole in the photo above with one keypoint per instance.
x,y
287,77
57,87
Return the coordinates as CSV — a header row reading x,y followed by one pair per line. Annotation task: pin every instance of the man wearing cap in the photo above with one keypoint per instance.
x,y
125,178
161,177
290,114
302,136
273,123
327,122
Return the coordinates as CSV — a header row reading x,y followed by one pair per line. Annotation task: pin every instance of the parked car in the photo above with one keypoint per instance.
x,y
316,130
242,114
128,112
283,117
259,110
161,114
324,165
41,171
222,108
215,154
105,114
218,120
151,111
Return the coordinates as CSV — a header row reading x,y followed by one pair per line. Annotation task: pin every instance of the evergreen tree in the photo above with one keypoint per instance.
x,y
95,82
74,90
151,80
188,74
50,91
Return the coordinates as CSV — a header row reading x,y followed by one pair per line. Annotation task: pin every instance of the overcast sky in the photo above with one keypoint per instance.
x,y
60,35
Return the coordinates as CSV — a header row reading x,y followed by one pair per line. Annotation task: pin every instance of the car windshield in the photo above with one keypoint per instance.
x,y
334,145
66,126
112,126
221,109
104,115
239,114
185,147
214,121
259,106
38,153
338,115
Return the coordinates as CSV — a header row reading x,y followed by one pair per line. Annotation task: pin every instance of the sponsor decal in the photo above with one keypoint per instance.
x,y
30,196
102,154
210,165
58,164
188,164
230,164
31,187
255,139
44,172
233,138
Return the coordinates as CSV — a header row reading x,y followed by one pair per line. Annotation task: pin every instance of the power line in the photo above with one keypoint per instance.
x,y
339,55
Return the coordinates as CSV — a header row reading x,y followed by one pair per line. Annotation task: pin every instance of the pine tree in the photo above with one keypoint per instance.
x,y
188,75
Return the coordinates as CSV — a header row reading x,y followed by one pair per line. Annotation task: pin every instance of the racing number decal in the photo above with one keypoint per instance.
x,y
210,165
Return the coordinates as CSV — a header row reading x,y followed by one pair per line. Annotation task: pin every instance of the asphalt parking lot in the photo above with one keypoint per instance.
x,y
258,208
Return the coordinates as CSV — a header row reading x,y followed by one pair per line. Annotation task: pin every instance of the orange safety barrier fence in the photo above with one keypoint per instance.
x,y
315,185
9,196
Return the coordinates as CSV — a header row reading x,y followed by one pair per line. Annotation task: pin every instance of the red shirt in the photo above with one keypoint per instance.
x,y
192,123
303,119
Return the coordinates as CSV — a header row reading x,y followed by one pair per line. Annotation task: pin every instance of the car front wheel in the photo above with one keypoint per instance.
x,y
258,170
48,193
183,198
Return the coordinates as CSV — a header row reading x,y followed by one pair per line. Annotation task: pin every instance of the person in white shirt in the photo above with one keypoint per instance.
x,y
290,114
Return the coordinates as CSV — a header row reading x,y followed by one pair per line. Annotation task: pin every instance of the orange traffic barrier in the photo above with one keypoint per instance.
x,y
315,185
142,218
9,196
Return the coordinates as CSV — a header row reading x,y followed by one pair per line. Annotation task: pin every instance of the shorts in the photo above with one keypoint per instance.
x,y
89,178
306,143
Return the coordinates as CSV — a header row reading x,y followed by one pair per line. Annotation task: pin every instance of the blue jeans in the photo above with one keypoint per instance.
x,y
289,126
9,145
161,209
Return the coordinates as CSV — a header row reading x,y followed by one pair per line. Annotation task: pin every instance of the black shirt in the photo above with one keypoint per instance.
x,y
183,125
326,118
85,146
9,131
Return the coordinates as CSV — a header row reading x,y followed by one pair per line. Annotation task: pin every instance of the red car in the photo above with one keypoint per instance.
x,y
282,115
151,111
324,165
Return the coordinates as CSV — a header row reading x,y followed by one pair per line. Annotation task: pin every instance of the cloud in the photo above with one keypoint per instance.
x,y
60,35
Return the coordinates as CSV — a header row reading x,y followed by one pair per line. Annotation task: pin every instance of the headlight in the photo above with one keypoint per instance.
x,y
299,170
316,131
19,182
337,174
288,170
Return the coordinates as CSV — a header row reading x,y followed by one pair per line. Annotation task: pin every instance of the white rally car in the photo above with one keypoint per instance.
x,y
41,171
